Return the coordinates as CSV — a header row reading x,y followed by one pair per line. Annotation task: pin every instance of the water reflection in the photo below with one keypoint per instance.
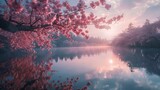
x,y
76,52
148,59
126,70
23,74
93,68
23,71
115,69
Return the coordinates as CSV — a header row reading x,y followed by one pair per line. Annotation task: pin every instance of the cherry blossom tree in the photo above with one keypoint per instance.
x,y
29,22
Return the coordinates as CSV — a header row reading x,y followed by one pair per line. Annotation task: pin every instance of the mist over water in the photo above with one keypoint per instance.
x,y
107,68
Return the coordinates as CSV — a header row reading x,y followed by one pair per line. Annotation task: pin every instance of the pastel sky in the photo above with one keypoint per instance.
x,y
135,11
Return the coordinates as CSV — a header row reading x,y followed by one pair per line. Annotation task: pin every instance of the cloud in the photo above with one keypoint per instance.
x,y
135,11
127,4
150,13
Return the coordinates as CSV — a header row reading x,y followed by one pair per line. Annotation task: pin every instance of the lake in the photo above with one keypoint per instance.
x,y
92,68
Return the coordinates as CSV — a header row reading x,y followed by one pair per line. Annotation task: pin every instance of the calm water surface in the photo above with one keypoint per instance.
x,y
106,68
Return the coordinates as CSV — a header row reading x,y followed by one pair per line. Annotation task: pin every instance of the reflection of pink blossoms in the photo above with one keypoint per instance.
x,y
25,74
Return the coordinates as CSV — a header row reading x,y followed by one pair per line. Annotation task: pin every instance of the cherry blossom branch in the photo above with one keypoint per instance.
x,y
30,21
35,21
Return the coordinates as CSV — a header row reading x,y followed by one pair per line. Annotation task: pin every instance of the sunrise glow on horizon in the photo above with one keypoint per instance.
x,y
134,11
79,44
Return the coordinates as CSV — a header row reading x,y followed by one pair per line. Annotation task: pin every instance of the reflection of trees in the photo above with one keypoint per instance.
x,y
24,74
71,53
141,58
5,44
57,54
20,71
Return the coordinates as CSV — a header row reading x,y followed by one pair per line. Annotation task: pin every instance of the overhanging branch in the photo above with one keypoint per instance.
x,y
10,27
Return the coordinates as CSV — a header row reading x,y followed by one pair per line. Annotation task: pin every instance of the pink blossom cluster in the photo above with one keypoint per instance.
x,y
43,18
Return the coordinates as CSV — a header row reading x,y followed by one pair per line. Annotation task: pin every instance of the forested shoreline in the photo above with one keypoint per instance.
x,y
147,36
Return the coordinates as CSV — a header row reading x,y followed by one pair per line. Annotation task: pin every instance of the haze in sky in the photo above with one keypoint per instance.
x,y
135,11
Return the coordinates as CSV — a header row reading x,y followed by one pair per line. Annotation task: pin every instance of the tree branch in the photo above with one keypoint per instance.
x,y
30,21
10,27
35,22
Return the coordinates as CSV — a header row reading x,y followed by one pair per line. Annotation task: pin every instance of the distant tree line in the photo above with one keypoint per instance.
x,y
147,35
78,41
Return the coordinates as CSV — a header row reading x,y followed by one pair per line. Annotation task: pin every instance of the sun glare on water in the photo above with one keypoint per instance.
x,y
111,61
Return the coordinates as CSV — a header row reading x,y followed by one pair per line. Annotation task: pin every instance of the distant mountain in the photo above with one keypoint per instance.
x,y
147,35
78,41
